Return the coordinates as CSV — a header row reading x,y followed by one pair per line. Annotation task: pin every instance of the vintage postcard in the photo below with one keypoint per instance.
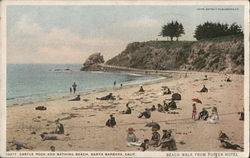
x,y
124,79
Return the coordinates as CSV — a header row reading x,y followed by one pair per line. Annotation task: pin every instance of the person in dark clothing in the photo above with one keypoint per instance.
x,y
70,90
167,141
77,98
228,145
146,114
108,97
171,105
155,139
204,89
153,108
141,89
223,136
74,87
203,114
114,83
111,122
59,128
128,111
144,145
160,108
241,115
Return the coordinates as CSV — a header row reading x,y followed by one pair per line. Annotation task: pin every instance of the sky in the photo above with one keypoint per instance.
x,y
69,34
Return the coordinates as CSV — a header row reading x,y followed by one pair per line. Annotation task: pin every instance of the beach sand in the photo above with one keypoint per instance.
x,y
84,121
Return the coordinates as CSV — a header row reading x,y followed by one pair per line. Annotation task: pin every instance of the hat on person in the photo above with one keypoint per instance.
x,y
130,129
164,130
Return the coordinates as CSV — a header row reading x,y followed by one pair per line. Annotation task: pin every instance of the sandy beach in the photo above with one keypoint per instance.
x,y
84,121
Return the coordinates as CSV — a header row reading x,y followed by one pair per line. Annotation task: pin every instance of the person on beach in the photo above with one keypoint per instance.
x,y
121,85
108,97
111,121
223,136
153,108
204,89
155,139
214,118
228,79
166,91
171,105
205,77
144,145
77,98
53,148
44,137
114,83
167,141
203,114
227,145
241,116
74,87
59,128
194,112
160,108
146,114
141,89
19,145
128,111
131,138
70,90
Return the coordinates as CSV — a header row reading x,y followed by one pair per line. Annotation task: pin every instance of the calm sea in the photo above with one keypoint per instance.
x,y
26,82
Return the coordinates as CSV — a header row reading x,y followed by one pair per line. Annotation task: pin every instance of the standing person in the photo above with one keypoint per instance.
x,y
121,85
194,111
70,90
114,83
74,87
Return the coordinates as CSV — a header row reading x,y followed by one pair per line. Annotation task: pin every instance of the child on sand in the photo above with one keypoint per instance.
x,y
194,112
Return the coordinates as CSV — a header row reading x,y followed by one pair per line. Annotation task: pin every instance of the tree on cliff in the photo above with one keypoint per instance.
x,y
172,29
212,30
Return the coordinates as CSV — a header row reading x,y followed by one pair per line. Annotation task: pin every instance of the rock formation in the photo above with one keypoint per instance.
x,y
92,63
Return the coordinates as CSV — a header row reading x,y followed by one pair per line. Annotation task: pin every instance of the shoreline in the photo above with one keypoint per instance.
x,y
89,91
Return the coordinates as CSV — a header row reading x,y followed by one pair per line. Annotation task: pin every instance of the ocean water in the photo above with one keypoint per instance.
x,y
27,82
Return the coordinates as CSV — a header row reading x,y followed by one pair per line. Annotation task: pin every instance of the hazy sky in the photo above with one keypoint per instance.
x,y
69,34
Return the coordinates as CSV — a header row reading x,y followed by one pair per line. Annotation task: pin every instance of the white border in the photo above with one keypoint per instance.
x,y
3,60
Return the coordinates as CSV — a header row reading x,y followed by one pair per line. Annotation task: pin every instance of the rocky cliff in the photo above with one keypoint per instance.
x,y
214,55
92,63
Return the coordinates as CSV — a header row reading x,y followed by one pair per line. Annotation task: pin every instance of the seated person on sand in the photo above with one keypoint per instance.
x,y
205,77
141,89
19,145
131,139
108,97
144,145
155,139
223,136
228,79
167,141
146,114
77,98
166,91
59,128
203,114
45,137
241,115
153,108
204,89
214,118
171,105
111,121
128,111
227,145
160,108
